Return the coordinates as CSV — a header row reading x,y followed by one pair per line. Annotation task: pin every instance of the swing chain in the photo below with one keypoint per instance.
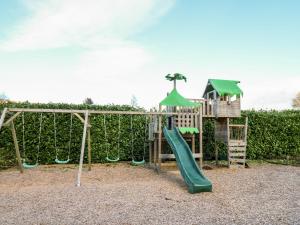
x,y
39,138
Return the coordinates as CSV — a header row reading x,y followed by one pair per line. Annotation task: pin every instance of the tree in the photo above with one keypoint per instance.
x,y
296,101
174,77
88,101
3,98
134,102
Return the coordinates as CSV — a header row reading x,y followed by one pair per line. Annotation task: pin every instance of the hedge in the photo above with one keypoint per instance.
x,y
271,135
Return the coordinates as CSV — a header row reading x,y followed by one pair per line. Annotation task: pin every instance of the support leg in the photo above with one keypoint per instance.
x,y
14,135
82,148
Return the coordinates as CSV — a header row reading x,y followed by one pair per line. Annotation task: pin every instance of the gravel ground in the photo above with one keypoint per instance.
x,y
122,194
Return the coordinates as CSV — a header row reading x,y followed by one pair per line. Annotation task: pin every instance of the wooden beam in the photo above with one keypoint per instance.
x,y
172,156
82,148
81,119
93,111
236,125
7,123
14,135
3,117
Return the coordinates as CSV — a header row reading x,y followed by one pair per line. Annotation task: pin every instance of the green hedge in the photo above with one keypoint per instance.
x,y
271,135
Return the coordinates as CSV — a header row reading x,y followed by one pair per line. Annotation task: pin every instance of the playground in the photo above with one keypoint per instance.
x,y
122,194
152,166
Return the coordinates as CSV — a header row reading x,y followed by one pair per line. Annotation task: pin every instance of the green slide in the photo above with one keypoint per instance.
x,y
188,167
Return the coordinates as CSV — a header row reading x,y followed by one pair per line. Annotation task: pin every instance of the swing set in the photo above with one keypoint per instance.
x,y
83,116
133,161
28,165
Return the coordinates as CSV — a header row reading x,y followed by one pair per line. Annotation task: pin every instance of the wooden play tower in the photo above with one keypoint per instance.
x,y
222,102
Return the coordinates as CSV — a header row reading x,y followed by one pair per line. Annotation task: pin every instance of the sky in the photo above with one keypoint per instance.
x,y
65,51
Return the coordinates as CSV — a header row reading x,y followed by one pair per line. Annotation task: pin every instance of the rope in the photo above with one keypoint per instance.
x,y
55,133
145,139
105,134
23,136
132,137
106,141
55,140
40,134
131,129
70,135
119,135
25,165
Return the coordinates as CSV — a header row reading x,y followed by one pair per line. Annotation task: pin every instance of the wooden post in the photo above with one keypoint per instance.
x,y
216,153
14,135
155,151
89,149
82,148
150,152
200,139
228,138
159,139
193,143
3,117
245,138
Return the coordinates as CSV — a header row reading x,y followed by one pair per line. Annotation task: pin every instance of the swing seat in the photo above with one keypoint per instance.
x,y
112,160
62,161
137,163
29,166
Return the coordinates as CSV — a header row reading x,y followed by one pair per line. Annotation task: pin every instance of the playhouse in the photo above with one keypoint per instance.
x,y
221,101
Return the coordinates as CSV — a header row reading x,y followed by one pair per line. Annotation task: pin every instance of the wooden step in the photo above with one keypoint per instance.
x,y
236,143
237,160
237,154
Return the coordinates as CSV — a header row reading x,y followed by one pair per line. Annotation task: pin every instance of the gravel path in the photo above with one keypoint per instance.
x,y
122,194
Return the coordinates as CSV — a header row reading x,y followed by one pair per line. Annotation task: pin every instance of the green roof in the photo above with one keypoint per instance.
x,y
176,99
223,87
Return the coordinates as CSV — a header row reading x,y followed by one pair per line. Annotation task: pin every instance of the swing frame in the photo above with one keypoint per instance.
x,y
83,116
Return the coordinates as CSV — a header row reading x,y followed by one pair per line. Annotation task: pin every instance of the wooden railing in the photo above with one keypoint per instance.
x,y
237,132
207,106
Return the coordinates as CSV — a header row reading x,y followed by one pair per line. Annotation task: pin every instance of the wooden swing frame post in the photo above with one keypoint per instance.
x,y
86,118
14,135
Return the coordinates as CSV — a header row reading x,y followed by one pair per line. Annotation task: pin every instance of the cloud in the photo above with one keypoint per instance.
x,y
270,93
91,23
109,67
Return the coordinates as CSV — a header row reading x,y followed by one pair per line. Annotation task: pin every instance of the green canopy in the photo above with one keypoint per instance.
x,y
190,130
223,87
176,99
